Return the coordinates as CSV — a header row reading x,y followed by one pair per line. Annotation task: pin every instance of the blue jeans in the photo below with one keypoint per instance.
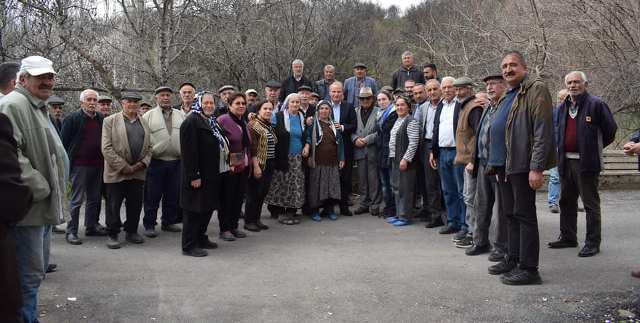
x,y
30,257
452,178
554,187
163,183
387,192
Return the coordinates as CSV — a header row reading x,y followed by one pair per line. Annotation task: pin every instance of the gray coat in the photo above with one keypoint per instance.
x,y
367,131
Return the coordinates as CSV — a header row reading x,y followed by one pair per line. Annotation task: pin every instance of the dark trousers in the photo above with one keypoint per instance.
x,y
131,191
86,183
233,189
484,201
573,184
387,192
346,181
519,202
257,189
162,183
194,228
432,192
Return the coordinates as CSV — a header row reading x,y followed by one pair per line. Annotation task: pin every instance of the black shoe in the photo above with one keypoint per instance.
x,y
361,210
113,243
171,228
589,251
134,238
522,277
434,224
460,235
554,208
195,252
238,234
208,244
345,212
502,267
52,268
253,227
150,233
496,256
477,250
73,239
561,243
98,231
466,242
448,230
262,226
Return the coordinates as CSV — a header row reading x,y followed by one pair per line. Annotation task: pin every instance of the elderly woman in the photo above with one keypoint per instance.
x,y
204,149
234,182
403,144
324,145
286,193
385,120
263,152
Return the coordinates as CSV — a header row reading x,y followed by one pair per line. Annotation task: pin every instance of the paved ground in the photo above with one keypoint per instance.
x,y
356,269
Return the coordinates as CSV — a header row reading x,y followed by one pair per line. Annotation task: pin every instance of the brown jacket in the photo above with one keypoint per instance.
x,y
116,152
465,133
529,129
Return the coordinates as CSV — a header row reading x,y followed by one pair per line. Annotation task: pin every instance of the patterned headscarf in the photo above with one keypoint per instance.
x,y
196,107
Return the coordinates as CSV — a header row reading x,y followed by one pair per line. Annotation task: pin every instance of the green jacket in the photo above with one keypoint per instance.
x,y
529,129
41,155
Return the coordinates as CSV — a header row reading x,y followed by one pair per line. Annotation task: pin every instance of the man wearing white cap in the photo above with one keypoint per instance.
x,y
43,162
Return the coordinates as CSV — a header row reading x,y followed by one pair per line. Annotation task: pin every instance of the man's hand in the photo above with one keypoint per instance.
x,y
341,164
309,121
469,168
535,179
631,148
127,170
432,162
338,126
305,151
360,143
196,183
404,165
251,116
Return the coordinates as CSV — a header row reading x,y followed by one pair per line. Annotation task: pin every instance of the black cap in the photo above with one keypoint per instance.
x,y
359,65
186,83
492,77
145,103
55,100
305,88
273,84
163,88
134,96
316,95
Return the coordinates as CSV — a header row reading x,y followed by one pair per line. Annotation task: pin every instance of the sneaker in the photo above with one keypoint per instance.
x,y
554,208
113,243
466,242
332,216
522,277
460,235
150,233
502,267
316,217
448,230
401,223
227,236
134,238
238,233
392,219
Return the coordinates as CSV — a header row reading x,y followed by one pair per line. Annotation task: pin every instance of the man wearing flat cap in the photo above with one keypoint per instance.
x,y
43,168
358,81
272,94
222,106
126,148
163,172
104,105
307,108
252,96
144,107
55,104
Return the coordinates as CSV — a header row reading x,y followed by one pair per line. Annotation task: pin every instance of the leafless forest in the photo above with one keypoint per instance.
x,y
139,44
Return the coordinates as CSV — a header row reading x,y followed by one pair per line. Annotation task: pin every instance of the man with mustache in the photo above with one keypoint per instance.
x,y
81,134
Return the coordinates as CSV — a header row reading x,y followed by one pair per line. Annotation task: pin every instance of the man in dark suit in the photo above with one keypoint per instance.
x,y
344,116
15,201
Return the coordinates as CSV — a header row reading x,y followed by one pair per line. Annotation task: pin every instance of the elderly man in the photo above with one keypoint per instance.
x,y
187,92
358,81
443,153
272,94
296,80
486,186
127,153
344,117
314,98
252,97
553,189
322,86
585,127
430,72
55,104
365,153
104,105
163,173
408,71
464,88
425,114
144,107
224,92
521,149
81,133
307,108
43,166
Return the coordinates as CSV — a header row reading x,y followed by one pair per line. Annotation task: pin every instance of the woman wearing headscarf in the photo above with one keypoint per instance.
x,y
403,144
326,157
386,118
263,152
204,149
234,182
286,193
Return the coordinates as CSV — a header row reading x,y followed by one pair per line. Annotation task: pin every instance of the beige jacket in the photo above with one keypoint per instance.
x,y
116,152
165,146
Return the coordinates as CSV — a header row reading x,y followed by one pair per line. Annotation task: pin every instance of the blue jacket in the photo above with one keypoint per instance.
x,y
351,92
595,128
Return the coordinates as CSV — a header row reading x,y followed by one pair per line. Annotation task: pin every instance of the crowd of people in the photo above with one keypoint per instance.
x,y
425,149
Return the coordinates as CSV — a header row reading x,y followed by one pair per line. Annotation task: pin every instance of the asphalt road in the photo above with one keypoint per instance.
x,y
356,269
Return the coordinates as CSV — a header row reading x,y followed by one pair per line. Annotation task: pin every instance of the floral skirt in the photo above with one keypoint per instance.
x,y
287,188
324,184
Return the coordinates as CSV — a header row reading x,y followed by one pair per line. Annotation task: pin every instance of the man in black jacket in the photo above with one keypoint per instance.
x,y
344,116
81,137
408,71
295,81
